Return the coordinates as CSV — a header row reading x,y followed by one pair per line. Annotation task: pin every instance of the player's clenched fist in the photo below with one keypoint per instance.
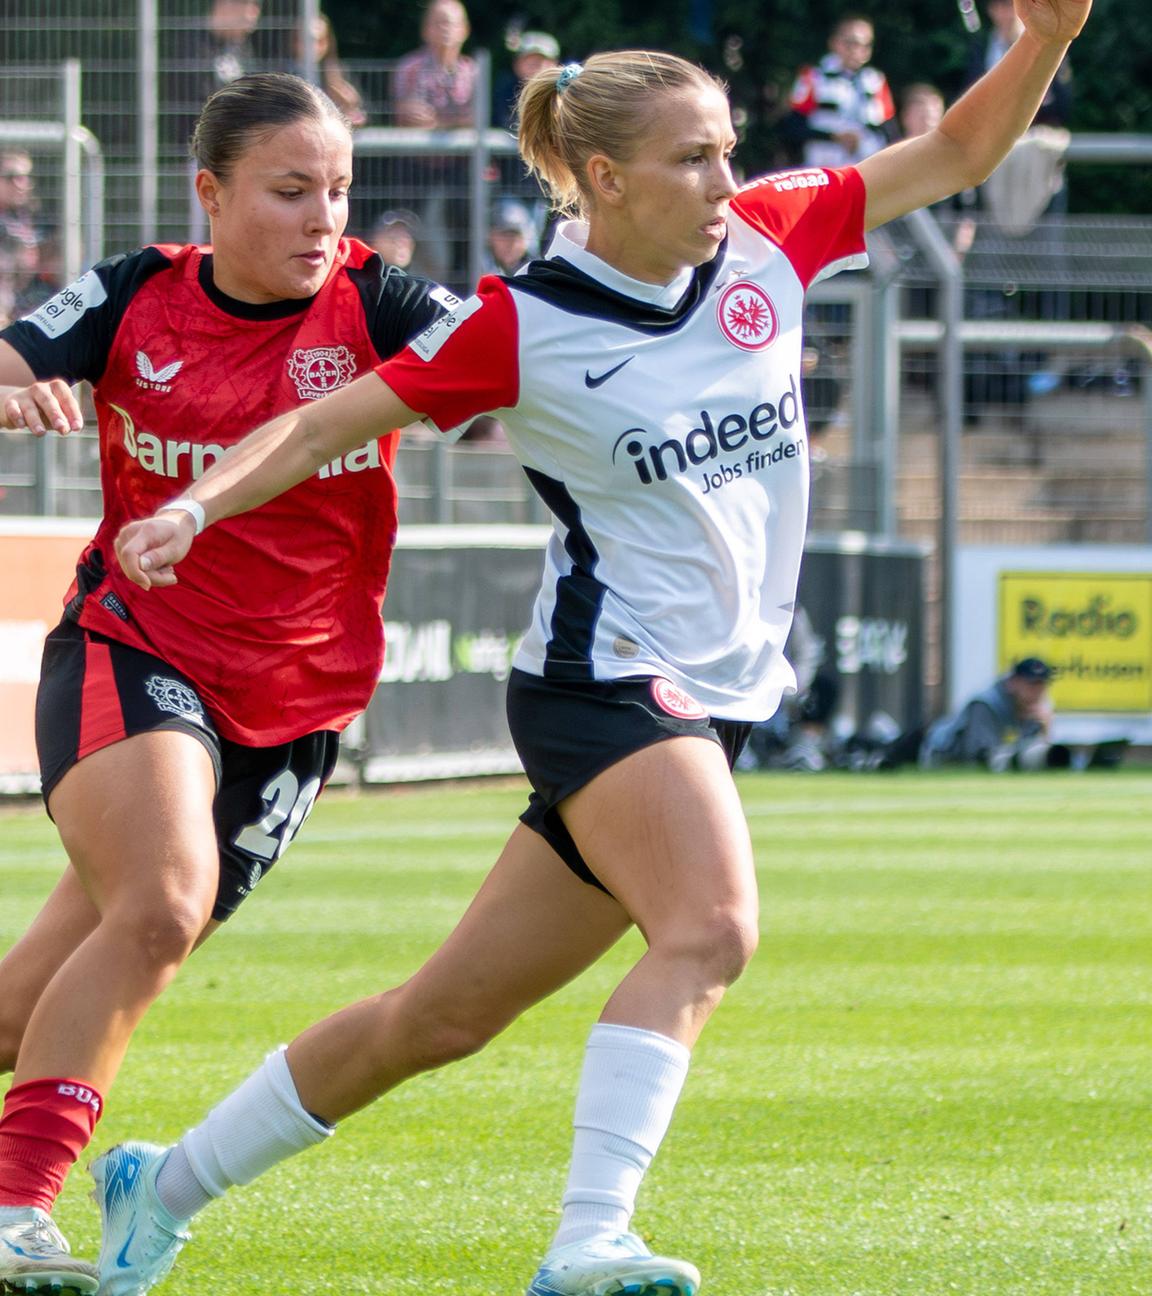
x,y
148,550
1058,21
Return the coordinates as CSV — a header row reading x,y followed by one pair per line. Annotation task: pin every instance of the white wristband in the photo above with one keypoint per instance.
x,y
193,508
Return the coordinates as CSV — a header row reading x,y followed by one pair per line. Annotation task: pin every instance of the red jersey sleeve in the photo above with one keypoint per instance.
x,y
815,217
885,104
803,98
465,364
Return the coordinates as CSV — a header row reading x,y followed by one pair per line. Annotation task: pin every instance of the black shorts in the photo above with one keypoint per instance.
x,y
95,691
568,732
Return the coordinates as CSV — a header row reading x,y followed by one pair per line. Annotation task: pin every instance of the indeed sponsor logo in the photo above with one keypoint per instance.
x,y
170,457
713,436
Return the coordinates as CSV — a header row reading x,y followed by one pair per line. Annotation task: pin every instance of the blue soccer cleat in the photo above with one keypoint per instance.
x,y
34,1257
612,1264
141,1239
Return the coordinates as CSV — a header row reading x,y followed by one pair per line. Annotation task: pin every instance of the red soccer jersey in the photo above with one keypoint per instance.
x,y
276,617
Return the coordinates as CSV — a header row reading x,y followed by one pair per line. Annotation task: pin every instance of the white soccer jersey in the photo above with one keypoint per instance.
x,y
663,428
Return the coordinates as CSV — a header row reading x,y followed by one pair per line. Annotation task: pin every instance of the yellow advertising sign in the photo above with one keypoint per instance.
x,y
1093,628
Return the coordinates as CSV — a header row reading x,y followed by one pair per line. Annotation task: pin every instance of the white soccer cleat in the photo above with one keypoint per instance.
x,y
140,1238
612,1264
34,1256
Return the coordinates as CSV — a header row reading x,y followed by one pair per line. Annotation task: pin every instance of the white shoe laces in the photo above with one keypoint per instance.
x,y
39,1237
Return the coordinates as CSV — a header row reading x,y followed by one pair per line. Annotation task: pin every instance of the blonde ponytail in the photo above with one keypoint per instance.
x,y
568,114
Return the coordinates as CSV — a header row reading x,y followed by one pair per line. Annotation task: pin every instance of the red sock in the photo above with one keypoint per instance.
x,y
45,1126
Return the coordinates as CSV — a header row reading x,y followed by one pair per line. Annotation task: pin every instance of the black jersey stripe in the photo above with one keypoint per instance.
x,y
579,595
563,286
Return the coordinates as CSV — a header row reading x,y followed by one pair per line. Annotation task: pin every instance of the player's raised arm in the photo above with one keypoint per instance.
x,y
978,131
266,463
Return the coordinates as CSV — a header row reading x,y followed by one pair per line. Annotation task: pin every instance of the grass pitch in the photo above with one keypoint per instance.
x,y
935,1079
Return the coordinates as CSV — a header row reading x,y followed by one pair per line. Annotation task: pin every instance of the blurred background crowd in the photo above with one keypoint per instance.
x,y
1052,258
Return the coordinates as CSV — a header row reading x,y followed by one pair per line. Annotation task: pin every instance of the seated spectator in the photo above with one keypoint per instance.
x,y
434,88
1007,726
512,239
394,237
841,109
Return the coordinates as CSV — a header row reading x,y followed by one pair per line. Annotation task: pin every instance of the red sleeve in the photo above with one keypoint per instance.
x,y
803,97
815,217
464,364
886,102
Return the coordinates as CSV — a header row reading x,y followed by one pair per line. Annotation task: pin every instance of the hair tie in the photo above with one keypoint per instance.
x,y
568,73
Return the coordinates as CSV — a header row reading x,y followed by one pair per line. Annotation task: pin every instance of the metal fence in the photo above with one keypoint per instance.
x,y
1055,405
1052,404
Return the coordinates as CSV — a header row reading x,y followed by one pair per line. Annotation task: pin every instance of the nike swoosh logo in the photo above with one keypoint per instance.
x,y
122,1260
601,379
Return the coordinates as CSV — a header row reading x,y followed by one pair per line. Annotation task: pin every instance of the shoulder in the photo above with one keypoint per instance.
x,y
495,314
397,306
777,202
105,290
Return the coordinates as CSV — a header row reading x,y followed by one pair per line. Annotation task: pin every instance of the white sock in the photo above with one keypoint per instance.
x,y
629,1088
258,1125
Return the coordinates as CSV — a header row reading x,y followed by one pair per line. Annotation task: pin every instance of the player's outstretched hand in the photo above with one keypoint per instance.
x,y
149,550
42,407
1058,21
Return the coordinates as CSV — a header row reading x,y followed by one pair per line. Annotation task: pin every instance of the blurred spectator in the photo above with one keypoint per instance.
x,y
199,60
1007,726
1027,185
394,237
1030,181
823,393
434,88
921,111
330,72
220,51
20,238
841,109
511,239
987,50
532,52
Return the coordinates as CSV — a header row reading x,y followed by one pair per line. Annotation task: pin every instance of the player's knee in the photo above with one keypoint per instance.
x,y
164,936
449,1039
438,1034
720,945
